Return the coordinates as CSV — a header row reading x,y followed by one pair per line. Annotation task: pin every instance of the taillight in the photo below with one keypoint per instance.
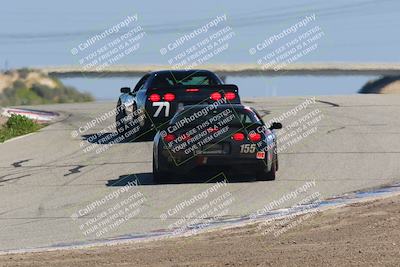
x,y
169,138
238,136
254,137
154,97
215,96
169,97
192,90
230,95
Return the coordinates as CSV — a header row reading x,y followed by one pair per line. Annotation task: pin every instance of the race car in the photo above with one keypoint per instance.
x,y
216,136
158,95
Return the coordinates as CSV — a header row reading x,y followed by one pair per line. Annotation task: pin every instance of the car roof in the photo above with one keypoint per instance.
x,y
179,71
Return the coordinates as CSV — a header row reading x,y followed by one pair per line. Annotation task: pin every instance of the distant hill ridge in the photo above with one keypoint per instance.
x,y
383,85
32,87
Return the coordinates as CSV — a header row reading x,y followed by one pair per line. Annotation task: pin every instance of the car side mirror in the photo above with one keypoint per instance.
x,y
276,126
125,90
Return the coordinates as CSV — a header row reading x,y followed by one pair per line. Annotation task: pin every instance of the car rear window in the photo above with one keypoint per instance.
x,y
195,116
184,78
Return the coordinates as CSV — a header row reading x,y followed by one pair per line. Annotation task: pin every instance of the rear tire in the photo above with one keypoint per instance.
x,y
144,128
119,119
158,176
120,125
271,175
136,121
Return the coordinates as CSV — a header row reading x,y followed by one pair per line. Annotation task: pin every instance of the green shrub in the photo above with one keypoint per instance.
x,y
17,125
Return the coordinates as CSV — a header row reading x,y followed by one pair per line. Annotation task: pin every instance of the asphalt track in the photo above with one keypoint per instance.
x,y
46,177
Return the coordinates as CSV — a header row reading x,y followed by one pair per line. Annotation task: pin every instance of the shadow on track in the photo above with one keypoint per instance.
x,y
195,177
114,137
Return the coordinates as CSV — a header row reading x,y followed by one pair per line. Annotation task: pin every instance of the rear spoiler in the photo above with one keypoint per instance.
x,y
193,94
198,88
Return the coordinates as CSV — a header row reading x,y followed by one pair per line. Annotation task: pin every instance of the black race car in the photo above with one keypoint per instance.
x,y
158,95
213,136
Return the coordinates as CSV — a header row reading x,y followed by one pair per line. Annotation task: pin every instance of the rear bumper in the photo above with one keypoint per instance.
x,y
242,164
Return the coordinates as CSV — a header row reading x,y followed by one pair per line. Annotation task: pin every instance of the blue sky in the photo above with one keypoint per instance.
x,y
42,33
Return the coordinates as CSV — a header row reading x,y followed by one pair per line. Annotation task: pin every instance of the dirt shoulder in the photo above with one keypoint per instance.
x,y
363,234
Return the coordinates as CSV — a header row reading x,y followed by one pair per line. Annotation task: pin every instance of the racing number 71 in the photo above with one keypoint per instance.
x,y
160,106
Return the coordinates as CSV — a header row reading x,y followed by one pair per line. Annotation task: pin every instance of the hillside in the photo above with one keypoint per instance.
x,y
383,85
31,87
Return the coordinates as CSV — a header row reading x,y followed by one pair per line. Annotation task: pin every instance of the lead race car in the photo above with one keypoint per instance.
x,y
213,136
158,95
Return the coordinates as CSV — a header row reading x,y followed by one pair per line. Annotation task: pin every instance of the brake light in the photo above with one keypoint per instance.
x,y
169,138
154,97
215,96
230,95
169,97
238,136
192,90
254,137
